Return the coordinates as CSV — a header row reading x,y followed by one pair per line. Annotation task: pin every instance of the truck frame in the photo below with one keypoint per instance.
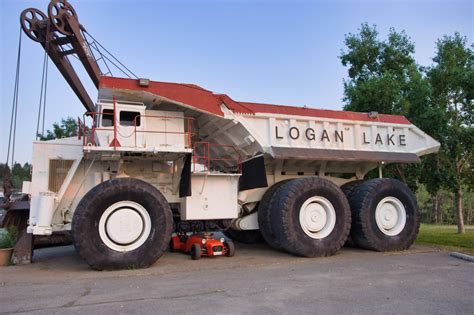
x,y
155,158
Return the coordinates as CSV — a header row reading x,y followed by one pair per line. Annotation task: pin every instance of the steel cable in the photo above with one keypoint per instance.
x,y
44,100
41,97
12,133
95,40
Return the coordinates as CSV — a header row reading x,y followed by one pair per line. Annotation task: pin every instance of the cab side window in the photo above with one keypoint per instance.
x,y
107,118
130,118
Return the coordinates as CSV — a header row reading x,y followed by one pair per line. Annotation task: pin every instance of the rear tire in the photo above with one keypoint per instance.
x,y
264,212
348,189
245,236
122,223
385,215
171,246
311,217
196,252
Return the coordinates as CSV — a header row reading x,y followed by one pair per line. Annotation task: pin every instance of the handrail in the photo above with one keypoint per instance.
x,y
208,158
115,143
94,127
122,102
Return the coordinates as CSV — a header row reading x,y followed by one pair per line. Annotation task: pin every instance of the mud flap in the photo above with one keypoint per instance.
x,y
253,174
23,250
185,181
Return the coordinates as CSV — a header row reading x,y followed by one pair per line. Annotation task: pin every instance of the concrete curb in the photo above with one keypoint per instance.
x,y
462,256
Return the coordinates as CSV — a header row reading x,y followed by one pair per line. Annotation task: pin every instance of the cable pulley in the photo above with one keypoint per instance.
x,y
61,35
33,22
60,12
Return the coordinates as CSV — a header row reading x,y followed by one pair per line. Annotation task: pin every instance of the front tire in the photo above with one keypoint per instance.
x,y
230,249
196,252
385,215
122,223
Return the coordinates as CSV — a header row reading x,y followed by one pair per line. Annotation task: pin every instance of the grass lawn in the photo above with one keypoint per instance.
x,y
447,237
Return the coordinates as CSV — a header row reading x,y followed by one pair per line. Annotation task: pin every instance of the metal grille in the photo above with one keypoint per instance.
x,y
58,170
217,248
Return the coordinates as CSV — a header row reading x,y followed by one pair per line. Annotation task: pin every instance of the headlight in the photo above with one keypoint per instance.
x,y
203,241
222,240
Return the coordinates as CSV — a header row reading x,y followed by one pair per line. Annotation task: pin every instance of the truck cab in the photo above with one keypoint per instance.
x,y
135,128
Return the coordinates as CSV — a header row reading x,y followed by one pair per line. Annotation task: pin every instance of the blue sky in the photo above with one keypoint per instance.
x,y
281,52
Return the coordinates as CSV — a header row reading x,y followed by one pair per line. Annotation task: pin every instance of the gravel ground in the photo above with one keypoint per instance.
x,y
257,280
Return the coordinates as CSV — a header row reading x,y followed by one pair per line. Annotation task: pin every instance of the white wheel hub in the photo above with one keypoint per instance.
x,y
317,217
124,226
390,216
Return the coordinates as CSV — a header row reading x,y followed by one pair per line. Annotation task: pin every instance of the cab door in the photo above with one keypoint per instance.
x,y
130,126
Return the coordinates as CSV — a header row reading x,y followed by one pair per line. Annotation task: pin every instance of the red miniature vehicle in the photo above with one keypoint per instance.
x,y
201,245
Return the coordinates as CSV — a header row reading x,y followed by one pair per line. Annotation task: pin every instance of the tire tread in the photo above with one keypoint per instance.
x,y
361,202
90,249
283,218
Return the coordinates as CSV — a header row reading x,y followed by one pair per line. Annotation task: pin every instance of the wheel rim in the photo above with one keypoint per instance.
x,y
390,216
317,217
124,226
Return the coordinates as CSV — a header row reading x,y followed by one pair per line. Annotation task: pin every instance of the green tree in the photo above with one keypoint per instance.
x,y
382,74
384,77
452,81
19,173
64,129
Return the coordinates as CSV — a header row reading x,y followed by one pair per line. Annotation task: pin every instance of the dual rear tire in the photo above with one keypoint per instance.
x,y
314,217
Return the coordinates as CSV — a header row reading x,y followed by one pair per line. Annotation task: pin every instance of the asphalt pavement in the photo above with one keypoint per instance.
x,y
422,280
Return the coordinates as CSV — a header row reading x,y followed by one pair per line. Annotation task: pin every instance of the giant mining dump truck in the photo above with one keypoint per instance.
x,y
155,158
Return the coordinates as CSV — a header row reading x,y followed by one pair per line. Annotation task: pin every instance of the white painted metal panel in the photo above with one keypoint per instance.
x,y
164,131
214,196
43,152
274,130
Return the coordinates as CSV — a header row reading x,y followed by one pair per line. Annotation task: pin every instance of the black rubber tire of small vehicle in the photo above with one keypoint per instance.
x,y
171,246
85,224
230,249
286,204
365,232
264,211
246,236
195,252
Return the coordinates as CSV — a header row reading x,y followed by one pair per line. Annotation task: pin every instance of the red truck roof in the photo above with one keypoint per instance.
x,y
205,100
